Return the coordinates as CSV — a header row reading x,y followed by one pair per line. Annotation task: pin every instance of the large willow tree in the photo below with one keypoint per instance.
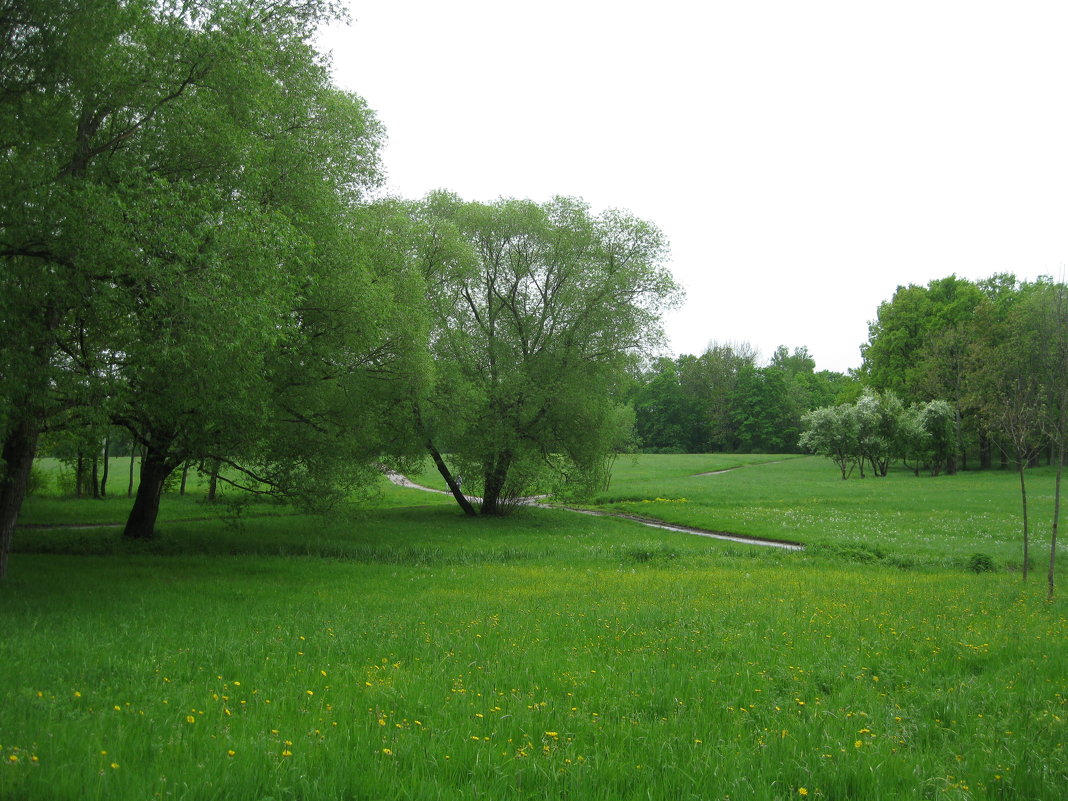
x,y
537,311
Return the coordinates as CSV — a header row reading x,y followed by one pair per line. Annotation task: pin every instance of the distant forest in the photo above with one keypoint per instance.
x,y
993,351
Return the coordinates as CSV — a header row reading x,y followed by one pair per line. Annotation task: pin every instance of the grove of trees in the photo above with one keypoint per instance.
x,y
724,400
195,262
983,367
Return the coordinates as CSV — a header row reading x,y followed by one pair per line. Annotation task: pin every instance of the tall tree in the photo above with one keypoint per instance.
x,y
918,347
152,238
1054,314
1009,378
537,310
79,83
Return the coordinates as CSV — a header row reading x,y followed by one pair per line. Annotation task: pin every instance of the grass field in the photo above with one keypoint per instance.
x,y
902,519
404,651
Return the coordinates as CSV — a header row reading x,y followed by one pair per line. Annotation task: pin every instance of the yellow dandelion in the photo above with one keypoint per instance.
x,y
231,752
114,765
858,744
287,752
190,719
802,791
12,758
387,751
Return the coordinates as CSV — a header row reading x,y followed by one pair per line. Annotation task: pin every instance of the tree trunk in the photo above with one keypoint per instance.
x,y
133,461
79,475
454,485
94,476
1056,517
986,455
185,476
213,480
107,466
496,474
141,524
960,456
1023,497
18,452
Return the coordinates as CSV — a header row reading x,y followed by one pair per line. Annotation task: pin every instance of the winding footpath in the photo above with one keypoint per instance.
x,y
403,481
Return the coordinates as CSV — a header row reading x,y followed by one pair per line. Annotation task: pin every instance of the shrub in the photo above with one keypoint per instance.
x,y
981,563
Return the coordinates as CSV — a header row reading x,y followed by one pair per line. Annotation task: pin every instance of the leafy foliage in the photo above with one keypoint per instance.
x,y
537,312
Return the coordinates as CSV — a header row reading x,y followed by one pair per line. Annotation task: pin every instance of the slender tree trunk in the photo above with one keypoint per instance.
x,y
1056,518
958,456
435,454
185,476
79,475
107,467
986,455
94,476
1026,532
213,480
133,461
454,485
155,468
18,452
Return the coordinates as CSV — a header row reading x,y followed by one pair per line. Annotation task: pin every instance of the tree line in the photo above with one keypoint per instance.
x,y
996,353
955,375
195,253
726,401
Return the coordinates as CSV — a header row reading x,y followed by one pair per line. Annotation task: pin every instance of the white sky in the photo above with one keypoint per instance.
x,y
803,158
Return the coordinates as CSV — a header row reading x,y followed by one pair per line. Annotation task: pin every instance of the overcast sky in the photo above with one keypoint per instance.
x,y
804,157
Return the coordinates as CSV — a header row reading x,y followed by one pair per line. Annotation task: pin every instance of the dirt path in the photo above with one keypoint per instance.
x,y
403,481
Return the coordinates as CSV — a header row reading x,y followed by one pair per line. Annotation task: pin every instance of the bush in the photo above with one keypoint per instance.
x,y
981,563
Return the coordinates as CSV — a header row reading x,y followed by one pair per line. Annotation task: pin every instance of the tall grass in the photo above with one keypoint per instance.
x,y
255,677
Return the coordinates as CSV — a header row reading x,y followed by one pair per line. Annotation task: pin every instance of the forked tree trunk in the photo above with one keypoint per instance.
x,y
495,477
155,467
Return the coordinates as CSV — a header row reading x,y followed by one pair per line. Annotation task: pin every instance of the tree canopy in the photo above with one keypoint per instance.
x,y
537,311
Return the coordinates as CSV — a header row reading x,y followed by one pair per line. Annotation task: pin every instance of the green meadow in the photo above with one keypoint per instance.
x,y
397,650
